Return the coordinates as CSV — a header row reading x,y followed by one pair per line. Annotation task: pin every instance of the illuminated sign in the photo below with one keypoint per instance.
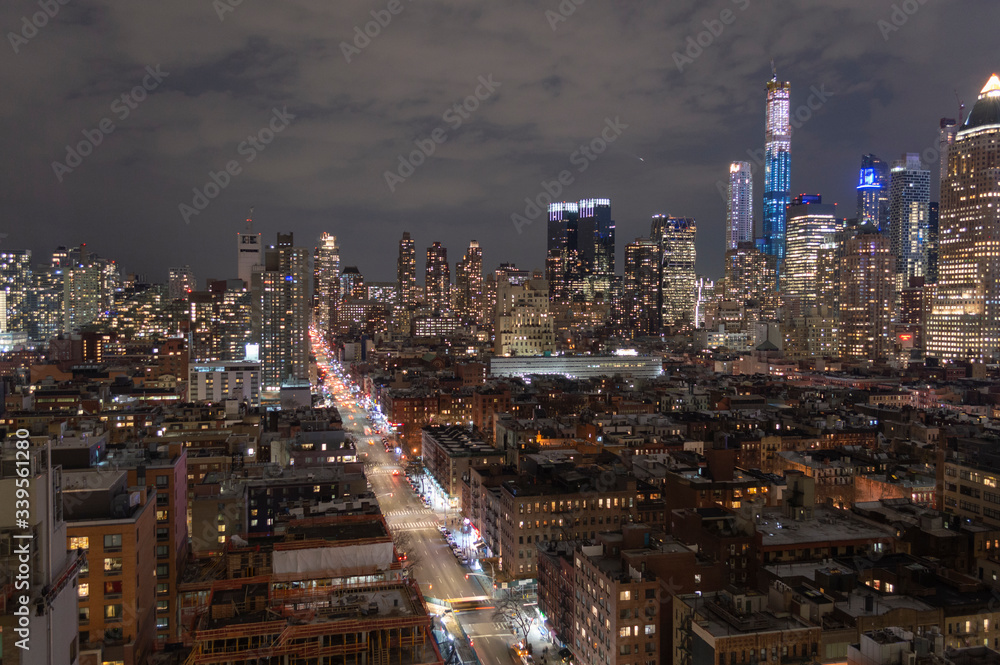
x,y
868,180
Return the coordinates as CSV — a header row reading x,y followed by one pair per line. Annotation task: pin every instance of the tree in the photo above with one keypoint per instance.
x,y
513,613
403,542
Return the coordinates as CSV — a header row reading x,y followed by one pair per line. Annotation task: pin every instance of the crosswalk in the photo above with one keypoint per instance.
x,y
380,471
409,519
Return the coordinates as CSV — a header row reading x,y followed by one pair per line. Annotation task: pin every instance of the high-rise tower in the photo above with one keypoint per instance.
x,y
469,285
326,268
248,248
812,227
873,193
739,205
280,312
777,169
437,277
909,217
676,236
406,272
965,316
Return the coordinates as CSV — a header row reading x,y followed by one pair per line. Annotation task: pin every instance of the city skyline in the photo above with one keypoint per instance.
x,y
685,122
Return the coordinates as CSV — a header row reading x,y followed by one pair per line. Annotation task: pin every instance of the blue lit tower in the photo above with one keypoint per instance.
x,y
873,193
777,170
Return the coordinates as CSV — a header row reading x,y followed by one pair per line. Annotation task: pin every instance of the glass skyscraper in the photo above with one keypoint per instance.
x,y
909,217
739,206
777,170
873,193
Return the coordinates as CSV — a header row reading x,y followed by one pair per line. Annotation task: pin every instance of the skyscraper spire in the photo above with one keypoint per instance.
x,y
250,221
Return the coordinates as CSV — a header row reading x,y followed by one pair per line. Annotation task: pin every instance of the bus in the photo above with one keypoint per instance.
x,y
470,603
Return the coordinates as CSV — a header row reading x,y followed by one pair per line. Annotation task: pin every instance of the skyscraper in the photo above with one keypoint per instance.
x,y
965,316
596,237
948,129
15,283
909,217
469,285
326,267
676,236
248,254
437,278
180,282
523,324
866,294
777,170
641,288
873,193
562,259
739,205
280,315
406,272
812,227
750,282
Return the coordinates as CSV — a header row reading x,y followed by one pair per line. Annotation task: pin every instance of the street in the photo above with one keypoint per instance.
x,y
437,570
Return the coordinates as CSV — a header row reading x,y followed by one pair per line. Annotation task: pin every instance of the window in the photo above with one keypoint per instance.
x,y
625,632
162,623
114,587
650,628
162,551
84,614
162,588
112,565
79,542
83,591
162,533
650,593
625,595
162,515
113,611
162,480
162,570
113,541
163,606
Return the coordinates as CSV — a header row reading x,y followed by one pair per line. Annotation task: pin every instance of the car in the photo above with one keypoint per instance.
x,y
395,472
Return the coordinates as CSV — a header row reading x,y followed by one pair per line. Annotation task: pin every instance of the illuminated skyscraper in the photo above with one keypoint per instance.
x,y
676,236
326,268
909,217
352,284
812,227
948,129
469,285
248,248
596,237
280,316
89,286
180,282
15,283
562,259
965,316
873,193
750,282
777,171
641,288
739,205
866,295
437,278
406,272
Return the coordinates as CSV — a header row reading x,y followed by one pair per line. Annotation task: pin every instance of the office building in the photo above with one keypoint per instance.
x,y
641,288
89,286
406,272
562,258
812,227
45,303
873,193
215,382
676,298
281,313
777,170
437,278
248,251
866,295
326,286
180,282
965,316
739,205
523,325
469,300
352,284
596,241
947,131
909,217
750,282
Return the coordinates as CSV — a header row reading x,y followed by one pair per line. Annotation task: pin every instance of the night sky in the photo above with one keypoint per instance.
x,y
218,72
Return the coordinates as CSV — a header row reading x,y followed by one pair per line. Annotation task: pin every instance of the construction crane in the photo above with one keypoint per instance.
x,y
961,107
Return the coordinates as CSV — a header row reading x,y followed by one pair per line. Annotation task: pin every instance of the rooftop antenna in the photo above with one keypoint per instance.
x,y
961,107
250,221
774,72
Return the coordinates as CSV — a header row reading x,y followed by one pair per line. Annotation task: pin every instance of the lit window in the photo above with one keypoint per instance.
x,y
79,542
83,591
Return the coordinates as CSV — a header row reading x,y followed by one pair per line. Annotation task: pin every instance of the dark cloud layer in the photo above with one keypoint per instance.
x,y
224,77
